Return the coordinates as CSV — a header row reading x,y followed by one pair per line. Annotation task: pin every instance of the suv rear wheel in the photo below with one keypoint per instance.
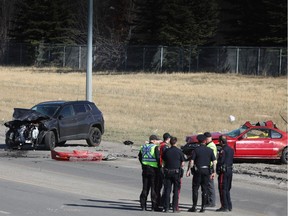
x,y
50,140
94,138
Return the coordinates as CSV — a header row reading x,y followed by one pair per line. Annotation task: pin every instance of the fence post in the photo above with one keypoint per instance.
x,y
181,53
190,56
21,53
94,56
280,62
197,60
161,57
237,60
125,58
49,54
80,57
64,50
258,61
8,51
218,59
143,63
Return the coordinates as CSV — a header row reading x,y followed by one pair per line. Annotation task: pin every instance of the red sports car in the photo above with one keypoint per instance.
x,y
262,140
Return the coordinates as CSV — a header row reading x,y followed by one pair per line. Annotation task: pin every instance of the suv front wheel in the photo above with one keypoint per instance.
x,y
94,138
50,140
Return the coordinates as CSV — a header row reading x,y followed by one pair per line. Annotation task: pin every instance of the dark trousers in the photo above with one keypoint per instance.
x,y
148,181
224,186
211,197
158,187
200,178
172,180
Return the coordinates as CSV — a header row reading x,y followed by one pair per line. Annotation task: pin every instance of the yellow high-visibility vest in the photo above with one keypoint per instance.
x,y
148,155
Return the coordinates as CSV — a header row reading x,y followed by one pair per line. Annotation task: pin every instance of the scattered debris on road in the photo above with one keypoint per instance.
x,y
80,154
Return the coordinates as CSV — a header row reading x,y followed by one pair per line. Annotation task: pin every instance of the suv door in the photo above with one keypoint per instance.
x,y
83,119
67,122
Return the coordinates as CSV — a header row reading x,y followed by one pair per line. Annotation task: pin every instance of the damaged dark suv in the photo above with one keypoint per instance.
x,y
52,123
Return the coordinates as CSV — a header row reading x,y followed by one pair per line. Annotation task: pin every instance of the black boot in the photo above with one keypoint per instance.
x,y
193,209
153,207
202,208
143,207
204,201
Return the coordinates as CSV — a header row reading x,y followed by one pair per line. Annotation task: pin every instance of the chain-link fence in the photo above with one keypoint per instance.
x,y
265,61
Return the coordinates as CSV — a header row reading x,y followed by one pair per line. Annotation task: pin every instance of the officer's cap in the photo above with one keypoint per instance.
x,y
153,137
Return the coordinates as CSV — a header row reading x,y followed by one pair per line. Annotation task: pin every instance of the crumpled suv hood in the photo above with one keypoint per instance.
x,y
28,115
21,115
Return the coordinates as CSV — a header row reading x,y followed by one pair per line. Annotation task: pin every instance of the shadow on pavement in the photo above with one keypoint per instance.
x,y
131,205
123,204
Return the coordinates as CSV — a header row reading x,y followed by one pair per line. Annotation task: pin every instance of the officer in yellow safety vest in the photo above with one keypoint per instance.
x,y
149,158
211,197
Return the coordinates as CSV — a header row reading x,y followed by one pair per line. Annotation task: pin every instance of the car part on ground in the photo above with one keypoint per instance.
x,y
81,153
262,140
52,123
76,155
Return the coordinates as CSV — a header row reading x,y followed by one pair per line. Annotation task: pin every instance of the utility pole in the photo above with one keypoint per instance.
x,y
89,52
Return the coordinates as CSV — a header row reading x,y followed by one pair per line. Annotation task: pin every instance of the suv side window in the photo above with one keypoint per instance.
x,y
67,111
88,108
94,108
79,108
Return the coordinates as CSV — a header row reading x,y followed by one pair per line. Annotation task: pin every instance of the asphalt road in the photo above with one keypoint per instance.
x,y
41,186
32,183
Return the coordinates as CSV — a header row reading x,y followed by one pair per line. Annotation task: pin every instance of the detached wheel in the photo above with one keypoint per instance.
x,y
50,140
94,138
284,156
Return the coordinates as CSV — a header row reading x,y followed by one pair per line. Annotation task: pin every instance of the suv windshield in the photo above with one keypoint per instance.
x,y
46,109
237,132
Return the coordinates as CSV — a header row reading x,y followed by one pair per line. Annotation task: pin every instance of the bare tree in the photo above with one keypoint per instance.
x,y
112,23
7,9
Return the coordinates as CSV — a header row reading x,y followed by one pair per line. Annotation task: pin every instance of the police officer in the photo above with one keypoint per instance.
x,y
211,197
173,159
149,158
159,179
164,145
225,172
201,157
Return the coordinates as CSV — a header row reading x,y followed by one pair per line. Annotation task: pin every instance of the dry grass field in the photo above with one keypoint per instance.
x,y
137,105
